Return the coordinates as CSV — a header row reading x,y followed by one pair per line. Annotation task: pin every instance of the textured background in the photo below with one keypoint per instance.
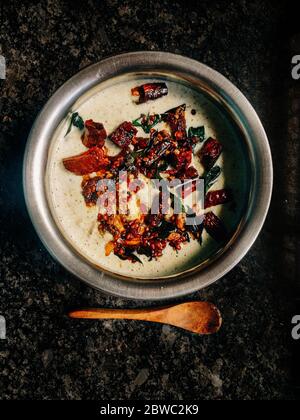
x,y
48,356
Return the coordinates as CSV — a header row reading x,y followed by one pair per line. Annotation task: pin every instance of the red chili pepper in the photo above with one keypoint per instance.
x,y
117,161
191,173
89,191
123,135
141,143
94,134
214,198
214,227
210,153
91,161
182,159
160,144
176,119
150,91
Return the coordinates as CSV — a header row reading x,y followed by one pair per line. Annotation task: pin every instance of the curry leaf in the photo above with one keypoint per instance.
x,y
129,255
75,120
146,122
135,258
212,177
165,229
198,132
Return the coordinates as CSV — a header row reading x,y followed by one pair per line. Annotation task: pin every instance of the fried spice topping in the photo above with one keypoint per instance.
x,y
164,153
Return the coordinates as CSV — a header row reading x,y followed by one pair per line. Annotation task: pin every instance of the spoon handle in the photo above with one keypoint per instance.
x,y
133,314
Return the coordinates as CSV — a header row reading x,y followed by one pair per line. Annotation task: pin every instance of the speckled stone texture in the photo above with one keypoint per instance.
x,y
46,355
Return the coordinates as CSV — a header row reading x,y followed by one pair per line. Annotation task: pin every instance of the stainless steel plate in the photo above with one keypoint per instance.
x,y
228,97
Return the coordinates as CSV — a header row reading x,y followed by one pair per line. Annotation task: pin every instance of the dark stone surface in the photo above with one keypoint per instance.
x,y
48,356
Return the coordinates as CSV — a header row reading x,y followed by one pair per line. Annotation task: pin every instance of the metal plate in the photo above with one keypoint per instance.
x,y
216,86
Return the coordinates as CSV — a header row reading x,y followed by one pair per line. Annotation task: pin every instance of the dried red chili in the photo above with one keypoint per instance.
x,y
215,198
89,191
210,153
140,143
176,119
214,227
160,143
124,134
94,134
91,161
150,91
191,173
181,159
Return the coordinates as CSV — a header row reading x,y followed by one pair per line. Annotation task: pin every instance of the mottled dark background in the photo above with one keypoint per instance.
x,y
48,356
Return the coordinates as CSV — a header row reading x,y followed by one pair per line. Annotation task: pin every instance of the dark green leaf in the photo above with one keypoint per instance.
x,y
165,229
198,132
145,251
144,122
137,122
75,120
212,176
128,255
196,230
135,258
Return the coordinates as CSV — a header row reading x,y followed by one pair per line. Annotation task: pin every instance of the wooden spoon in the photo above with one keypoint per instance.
x,y
196,317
